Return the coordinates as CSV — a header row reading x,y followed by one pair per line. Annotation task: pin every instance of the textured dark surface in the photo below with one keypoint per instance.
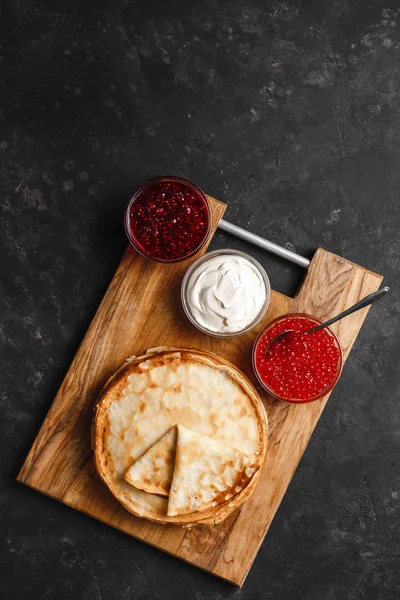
x,y
290,113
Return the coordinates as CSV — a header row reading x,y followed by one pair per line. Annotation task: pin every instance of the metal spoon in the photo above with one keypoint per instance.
x,y
370,299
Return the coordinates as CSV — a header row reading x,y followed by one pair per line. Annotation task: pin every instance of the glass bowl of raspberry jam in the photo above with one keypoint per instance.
x,y
299,368
168,219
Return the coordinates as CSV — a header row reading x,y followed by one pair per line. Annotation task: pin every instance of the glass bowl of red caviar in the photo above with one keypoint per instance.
x,y
168,219
300,367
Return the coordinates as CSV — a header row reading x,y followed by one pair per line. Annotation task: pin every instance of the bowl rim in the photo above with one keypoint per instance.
x,y
206,257
150,182
323,392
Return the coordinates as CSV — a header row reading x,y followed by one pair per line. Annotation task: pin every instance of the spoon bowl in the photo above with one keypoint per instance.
x,y
278,338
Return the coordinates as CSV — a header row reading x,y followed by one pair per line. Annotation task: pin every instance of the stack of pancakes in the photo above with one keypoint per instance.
x,y
180,437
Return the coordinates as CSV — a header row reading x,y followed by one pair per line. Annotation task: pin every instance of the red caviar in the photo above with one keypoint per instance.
x,y
169,219
300,367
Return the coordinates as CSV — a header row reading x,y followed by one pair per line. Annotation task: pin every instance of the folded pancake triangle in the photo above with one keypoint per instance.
x,y
152,472
207,472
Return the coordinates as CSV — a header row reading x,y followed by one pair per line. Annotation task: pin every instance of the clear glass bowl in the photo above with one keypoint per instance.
x,y
153,182
321,393
204,259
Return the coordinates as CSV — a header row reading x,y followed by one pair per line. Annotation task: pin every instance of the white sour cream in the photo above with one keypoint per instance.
x,y
225,293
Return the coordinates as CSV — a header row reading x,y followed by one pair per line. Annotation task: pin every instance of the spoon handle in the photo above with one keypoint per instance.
x,y
370,299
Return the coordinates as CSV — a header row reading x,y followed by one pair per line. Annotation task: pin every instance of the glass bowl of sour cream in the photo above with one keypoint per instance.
x,y
225,293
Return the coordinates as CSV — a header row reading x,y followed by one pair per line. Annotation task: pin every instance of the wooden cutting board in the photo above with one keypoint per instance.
x,y
141,309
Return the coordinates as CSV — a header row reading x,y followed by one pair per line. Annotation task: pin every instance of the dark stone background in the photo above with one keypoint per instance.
x,y
288,111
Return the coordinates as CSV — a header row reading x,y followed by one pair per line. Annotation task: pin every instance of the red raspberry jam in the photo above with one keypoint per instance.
x,y
299,367
168,219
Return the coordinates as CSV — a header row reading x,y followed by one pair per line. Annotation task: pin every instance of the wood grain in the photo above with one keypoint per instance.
x,y
141,309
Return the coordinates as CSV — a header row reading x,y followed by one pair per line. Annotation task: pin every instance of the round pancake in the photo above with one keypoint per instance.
x,y
150,394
